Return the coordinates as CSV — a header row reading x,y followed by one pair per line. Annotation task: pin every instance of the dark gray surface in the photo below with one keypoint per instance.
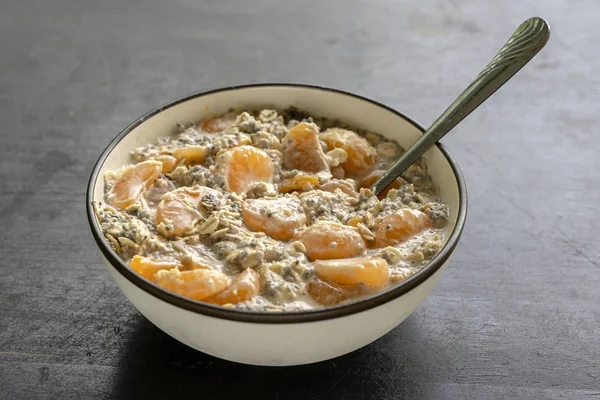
x,y
516,315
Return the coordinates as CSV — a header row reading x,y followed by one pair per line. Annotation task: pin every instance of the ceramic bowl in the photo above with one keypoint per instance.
x,y
293,338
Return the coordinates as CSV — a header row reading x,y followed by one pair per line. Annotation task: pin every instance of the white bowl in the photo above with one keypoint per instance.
x,y
278,339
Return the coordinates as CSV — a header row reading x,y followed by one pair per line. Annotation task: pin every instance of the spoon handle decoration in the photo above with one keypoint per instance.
x,y
529,38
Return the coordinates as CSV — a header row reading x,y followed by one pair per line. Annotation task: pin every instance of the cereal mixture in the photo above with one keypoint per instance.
x,y
271,211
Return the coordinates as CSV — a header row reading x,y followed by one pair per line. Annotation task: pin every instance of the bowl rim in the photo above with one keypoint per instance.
x,y
313,315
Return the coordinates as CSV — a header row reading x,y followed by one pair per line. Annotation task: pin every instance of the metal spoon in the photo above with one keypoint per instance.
x,y
529,38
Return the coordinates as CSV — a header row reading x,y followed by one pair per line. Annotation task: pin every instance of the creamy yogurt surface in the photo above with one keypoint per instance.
x,y
271,210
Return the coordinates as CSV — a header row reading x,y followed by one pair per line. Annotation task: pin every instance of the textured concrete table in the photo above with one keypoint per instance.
x,y
516,315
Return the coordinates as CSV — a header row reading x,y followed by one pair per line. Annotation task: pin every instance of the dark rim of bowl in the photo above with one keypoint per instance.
x,y
318,314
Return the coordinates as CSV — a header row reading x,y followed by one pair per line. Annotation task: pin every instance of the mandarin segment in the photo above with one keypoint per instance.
x,y
196,284
302,150
354,221
168,162
369,180
400,226
190,154
300,182
278,218
362,157
217,124
338,172
327,240
373,272
131,181
155,192
328,295
344,186
179,209
243,165
243,287
147,267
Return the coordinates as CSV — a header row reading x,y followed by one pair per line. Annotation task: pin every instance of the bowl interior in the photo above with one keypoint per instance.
x,y
351,109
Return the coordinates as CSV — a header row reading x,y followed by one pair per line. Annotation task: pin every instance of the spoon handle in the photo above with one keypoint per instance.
x,y
529,38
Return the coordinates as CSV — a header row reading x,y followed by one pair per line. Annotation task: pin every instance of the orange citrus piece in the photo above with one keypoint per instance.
x,y
190,154
243,287
332,185
400,226
155,192
300,182
301,150
329,240
196,284
353,271
327,294
131,181
244,165
354,221
277,218
369,180
217,124
168,162
338,172
362,157
179,208
148,268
